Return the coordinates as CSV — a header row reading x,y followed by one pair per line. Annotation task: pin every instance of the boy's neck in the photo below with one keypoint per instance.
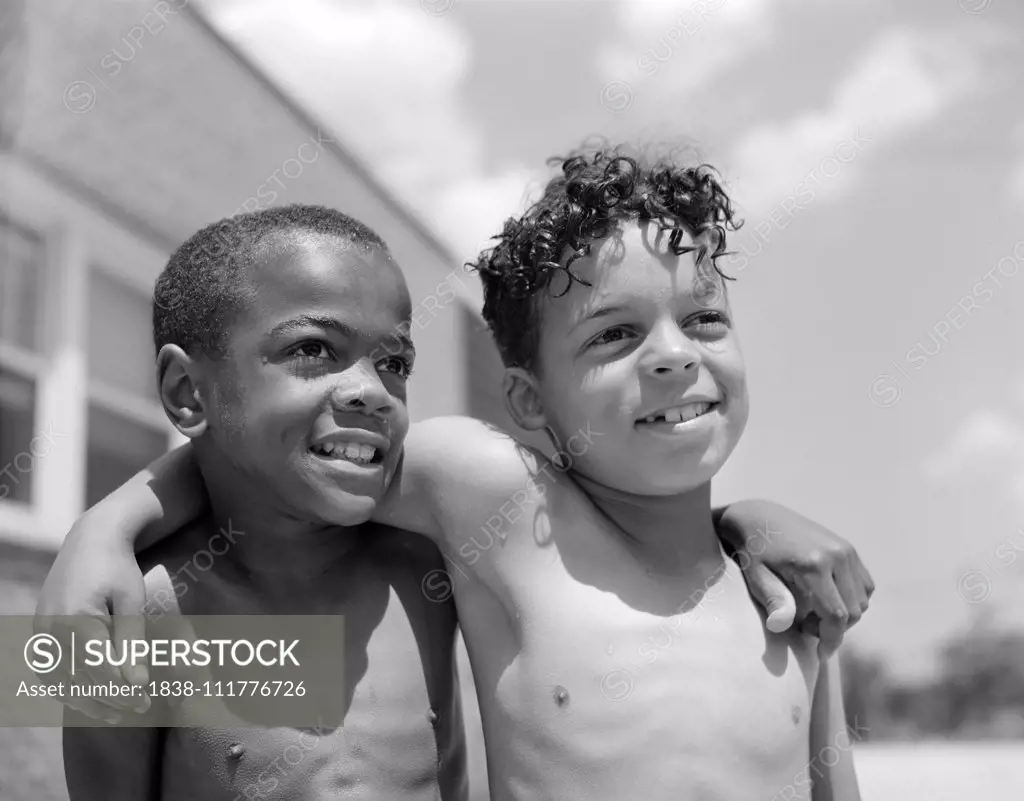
x,y
271,549
279,552
668,533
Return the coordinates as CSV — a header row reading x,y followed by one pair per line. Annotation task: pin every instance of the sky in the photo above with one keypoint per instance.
x,y
876,152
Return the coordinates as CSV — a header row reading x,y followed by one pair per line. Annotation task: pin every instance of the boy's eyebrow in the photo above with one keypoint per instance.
x,y
403,339
334,324
600,311
317,321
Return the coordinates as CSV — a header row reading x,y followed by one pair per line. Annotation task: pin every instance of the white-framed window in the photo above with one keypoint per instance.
x,y
78,403
126,426
22,258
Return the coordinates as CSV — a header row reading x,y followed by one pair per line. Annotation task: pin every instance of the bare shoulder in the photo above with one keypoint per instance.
x,y
470,452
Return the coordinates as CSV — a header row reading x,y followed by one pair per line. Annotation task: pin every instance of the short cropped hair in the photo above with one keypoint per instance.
x,y
204,284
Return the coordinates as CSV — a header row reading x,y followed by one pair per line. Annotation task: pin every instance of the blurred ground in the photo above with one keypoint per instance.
x,y
31,767
938,771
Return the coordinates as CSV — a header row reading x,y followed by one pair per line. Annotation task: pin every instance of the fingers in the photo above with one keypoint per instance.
x,y
863,576
854,583
97,631
130,625
852,592
73,633
769,590
827,602
95,709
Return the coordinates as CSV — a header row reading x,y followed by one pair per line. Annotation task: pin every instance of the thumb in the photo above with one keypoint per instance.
x,y
769,590
129,625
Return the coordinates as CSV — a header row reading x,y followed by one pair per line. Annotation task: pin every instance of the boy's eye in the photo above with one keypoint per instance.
x,y
611,336
312,350
396,364
710,322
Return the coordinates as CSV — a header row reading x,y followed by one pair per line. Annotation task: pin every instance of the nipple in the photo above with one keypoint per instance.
x,y
561,695
235,751
432,717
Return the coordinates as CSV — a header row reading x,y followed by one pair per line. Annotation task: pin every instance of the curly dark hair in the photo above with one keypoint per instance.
x,y
204,284
598,189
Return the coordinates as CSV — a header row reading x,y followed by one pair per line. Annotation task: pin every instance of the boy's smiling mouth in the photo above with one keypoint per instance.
x,y
348,451
683,413
357,446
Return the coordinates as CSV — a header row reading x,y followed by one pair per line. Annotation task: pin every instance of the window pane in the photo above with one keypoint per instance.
x,y
117,450
17,410
21,267
120,336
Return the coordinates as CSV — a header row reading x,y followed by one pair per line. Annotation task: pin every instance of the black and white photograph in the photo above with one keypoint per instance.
x,y
511,400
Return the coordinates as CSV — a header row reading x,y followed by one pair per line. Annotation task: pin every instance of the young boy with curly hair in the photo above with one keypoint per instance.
x,y
595,558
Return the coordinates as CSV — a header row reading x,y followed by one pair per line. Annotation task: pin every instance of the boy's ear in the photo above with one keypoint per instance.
x,y
178,382
522,400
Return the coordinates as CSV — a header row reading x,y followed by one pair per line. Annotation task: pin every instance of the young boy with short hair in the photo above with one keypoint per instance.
x,y
590,297
250,362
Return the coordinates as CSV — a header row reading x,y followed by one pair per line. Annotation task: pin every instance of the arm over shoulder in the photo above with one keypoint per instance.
x,y
453,466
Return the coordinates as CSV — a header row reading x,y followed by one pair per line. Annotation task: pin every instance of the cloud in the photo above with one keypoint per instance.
x,y
386,77
702,38
987,442
903,80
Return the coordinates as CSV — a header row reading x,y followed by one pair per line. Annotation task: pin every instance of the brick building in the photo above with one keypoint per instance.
x,y
125,127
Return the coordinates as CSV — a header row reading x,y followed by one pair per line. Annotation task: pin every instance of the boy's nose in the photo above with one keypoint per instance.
x,y
671,355
363,392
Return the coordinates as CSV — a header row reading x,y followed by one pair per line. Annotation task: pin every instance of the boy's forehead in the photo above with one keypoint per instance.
x,y
636,264
641,242
329,269
636,256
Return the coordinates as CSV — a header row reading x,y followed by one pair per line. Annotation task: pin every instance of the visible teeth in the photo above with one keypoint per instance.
x,y
694,410
680,414
351,451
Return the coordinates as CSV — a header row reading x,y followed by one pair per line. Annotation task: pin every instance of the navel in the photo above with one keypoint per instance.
x,y
561,695
796,714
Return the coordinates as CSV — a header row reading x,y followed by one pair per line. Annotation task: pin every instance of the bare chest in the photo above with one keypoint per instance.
x,y
614,699
399,733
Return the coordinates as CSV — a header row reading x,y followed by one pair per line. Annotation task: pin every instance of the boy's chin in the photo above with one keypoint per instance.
x,y
673,480
345,509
